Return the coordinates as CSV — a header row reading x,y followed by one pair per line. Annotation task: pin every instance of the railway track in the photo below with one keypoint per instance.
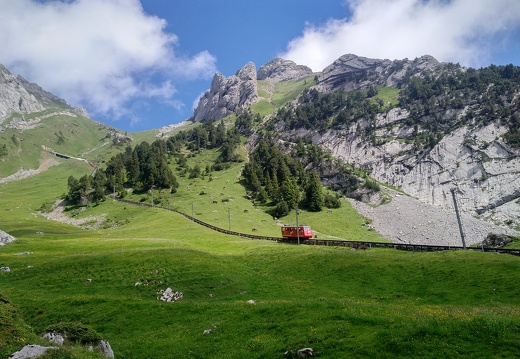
x,y
360,245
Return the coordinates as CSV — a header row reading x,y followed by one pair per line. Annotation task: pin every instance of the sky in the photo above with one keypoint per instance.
x,y
142,64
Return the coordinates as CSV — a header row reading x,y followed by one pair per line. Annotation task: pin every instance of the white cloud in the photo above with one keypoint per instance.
x,y
463,31
95,53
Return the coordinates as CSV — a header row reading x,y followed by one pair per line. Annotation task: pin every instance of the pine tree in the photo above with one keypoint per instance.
x,y
282,209
290,192
315,197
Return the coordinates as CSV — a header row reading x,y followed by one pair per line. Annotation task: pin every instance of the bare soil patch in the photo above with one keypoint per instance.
x,y
58,214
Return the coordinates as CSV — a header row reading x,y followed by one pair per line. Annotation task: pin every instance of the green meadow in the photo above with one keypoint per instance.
x,y
340,302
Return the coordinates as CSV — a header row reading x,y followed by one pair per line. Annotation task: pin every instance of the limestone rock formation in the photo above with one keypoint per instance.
x,y
14,97
227,95
20,96
278,69
351,72
484,170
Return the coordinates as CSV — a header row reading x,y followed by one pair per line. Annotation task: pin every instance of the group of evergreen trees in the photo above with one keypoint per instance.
x,y
490,94
318,111
146,166
142,168
273,176
208,136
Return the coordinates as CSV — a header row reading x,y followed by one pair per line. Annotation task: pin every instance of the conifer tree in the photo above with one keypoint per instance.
x,y
315,197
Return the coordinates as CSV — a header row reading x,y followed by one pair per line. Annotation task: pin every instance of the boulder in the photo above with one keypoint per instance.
x,y
496,240
305,353
105,349
5,238
169,295
30,351
54,337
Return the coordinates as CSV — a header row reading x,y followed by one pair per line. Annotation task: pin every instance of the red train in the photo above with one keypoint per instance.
x,y
304,232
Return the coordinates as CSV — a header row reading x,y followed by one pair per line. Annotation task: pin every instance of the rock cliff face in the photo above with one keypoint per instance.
x,y
351,72
236,93
227,95
19,95
278,69
471,157
14,97
484,171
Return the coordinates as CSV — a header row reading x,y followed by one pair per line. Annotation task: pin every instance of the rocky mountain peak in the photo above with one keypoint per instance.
x,y
278,69
228,94
20,96
351,72
248,72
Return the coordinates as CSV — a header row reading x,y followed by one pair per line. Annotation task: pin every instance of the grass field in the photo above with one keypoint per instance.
x,y
342,303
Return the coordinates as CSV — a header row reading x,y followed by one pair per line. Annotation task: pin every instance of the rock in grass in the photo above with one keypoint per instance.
x,y
6,238
169,295
54,337
105,349
30,351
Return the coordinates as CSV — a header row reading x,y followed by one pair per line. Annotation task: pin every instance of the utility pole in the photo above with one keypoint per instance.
x,y
297,227
458,218
229,219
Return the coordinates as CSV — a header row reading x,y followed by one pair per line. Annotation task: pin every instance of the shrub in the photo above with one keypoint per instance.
x,y
46,207
372,185
331,201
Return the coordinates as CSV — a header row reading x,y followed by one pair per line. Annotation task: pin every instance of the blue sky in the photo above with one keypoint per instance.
x,y
141,64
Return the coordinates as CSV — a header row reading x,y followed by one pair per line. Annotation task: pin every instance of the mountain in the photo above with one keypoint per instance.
x,y
237,93
422,126
17,95
425,128
32,119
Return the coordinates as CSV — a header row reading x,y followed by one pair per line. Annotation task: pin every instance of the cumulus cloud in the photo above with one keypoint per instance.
x,y
96,53
463,31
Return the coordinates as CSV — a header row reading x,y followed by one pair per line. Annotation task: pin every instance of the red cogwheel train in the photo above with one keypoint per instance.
x,y
302,232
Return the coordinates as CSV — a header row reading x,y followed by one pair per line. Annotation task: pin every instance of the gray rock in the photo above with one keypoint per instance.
x,y
169,295
305,353
496,240
227,95
81,111
14,97
352,72
6,238
20,96
54,337
278,69
105,349
30,351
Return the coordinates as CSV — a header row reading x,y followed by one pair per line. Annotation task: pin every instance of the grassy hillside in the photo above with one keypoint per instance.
x,y
376,303
274,96
64,132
